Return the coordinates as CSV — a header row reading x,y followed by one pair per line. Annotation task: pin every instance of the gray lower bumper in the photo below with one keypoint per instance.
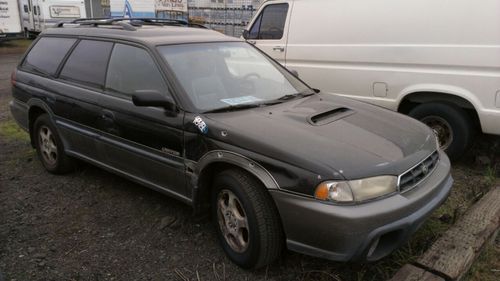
x,y
19,111
367,231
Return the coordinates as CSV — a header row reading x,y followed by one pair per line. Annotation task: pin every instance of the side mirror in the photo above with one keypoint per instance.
x,y
245,34
154,98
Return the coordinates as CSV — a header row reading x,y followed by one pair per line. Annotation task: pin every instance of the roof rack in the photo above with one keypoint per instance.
x,y
129,24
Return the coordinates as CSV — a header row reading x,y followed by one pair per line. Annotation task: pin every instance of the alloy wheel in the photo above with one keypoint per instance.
x,y
233,221
47,145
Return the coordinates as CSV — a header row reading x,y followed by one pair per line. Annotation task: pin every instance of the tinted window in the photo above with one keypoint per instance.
x,y
271,23
130,69
87,63
47,54
25,8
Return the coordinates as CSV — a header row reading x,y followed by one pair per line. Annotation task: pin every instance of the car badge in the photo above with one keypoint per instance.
x,y
425,169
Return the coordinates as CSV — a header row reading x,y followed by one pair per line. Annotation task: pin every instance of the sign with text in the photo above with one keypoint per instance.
x,y
60,11
9,17
171,5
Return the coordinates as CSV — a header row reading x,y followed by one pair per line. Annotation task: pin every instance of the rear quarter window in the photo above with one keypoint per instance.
x,y
47,54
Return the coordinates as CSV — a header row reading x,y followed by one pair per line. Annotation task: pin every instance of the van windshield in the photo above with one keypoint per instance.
x,y
230,75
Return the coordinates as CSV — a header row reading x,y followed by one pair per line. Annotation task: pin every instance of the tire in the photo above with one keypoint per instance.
x,y
49,147
443,117
251,201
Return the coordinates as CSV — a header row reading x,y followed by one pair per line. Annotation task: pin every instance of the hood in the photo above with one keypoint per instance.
x,y
329,135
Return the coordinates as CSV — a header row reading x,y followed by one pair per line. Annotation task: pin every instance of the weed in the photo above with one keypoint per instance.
x,y
10,129
490,174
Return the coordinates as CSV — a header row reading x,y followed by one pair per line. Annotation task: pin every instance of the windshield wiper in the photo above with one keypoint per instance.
x,y
259,104
234,107
296,95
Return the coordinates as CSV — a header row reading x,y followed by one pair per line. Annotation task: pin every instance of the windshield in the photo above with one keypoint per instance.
x,y
228,74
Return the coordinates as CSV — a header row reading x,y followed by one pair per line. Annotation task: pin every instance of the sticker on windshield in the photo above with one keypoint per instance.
x,y
240,100
200,124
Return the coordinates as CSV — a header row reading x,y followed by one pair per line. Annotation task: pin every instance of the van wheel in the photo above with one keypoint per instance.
x,y
49,147
450,123
246,220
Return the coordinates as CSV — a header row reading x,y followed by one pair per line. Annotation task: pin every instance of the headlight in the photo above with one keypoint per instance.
x,y
356,190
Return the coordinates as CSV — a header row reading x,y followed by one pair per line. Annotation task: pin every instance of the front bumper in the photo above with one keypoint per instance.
x,y
364,232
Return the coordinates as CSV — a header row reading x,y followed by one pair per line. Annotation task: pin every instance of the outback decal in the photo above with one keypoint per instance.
x,y
200,124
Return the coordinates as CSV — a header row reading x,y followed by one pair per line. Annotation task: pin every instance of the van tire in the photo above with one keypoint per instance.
x,y
54,159
264,232
442,117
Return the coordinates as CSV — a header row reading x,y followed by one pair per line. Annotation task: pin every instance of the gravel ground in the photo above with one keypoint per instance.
x,y
93,225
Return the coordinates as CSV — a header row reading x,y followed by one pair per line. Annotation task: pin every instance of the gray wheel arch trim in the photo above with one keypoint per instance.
x,y
35,102
223,156
39,103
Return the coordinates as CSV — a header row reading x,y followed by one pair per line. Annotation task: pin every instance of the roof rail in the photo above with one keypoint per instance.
x,y
128,23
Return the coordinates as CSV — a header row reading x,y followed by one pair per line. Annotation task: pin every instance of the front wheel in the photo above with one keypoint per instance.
x,y
246,220
450,123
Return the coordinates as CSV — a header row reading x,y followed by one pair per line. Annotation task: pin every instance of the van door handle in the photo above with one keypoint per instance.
x,y
279,48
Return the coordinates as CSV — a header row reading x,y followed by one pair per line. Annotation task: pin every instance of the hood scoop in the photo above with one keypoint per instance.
x,y
329,116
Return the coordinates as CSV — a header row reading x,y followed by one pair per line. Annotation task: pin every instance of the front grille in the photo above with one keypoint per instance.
x,y
415,175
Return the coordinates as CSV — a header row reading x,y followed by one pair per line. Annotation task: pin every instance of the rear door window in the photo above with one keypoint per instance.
x,y
87,63
271,23
46,56
131,69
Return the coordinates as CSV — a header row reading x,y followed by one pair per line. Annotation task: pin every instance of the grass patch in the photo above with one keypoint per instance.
x,y
9,129
18,43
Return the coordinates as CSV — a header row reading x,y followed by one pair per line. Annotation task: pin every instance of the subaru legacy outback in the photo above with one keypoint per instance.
x,y
216,123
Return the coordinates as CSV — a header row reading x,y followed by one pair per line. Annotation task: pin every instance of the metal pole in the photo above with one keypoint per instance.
x,y
91,9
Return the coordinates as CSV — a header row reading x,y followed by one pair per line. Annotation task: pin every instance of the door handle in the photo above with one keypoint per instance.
x,y
279,49
106,114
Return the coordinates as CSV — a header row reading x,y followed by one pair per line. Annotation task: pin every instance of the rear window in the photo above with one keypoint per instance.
x,y
87,63
47,54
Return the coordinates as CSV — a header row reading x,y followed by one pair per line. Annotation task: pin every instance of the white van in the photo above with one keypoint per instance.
x,y
10,24
40,14
436,60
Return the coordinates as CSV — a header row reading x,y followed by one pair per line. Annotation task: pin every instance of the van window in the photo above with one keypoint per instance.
x,y
270,23
25,8
87,63
131,69
47,54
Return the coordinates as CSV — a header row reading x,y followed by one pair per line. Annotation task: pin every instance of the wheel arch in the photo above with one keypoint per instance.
x,y
36,108
455,96
218,160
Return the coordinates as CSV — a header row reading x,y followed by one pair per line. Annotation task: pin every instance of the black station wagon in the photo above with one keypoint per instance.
x,y
214,122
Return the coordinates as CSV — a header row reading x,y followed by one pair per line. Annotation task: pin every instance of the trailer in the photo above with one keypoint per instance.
x,y
10,23
37,15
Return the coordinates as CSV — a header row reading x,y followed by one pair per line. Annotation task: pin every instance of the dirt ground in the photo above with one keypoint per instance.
x,y
93,225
